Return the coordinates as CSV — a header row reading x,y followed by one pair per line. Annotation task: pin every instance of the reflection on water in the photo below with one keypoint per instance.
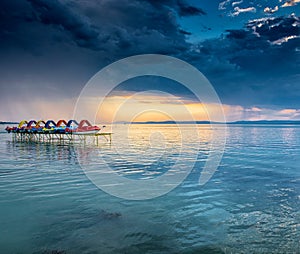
x,y
41,151
251,205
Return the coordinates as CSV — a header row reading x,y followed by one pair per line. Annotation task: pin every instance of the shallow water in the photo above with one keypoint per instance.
x,y
250,205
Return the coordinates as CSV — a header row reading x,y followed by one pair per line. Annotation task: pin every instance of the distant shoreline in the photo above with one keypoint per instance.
x,y
9,122
276,122
262,122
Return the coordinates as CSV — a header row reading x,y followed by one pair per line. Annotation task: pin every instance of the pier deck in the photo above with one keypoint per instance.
x,y
61,138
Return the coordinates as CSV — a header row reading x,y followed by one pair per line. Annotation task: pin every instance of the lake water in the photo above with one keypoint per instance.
x,y
250,205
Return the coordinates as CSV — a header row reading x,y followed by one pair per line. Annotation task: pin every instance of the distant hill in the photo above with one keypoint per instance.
x,y
266,122
172,122
272,122
8,122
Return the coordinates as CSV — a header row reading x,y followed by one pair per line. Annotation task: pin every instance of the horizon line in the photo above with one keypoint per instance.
x,y
211,122
275,121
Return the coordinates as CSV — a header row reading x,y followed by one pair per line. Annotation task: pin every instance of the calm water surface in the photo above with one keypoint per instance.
x,y
250,205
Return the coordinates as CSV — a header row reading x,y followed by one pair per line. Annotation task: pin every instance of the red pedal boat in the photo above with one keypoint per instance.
x,y
84,128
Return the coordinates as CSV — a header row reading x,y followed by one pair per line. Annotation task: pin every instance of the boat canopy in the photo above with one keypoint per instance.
x,y
70,123
60,122
38,123
22,123
82,122
31,122
48,123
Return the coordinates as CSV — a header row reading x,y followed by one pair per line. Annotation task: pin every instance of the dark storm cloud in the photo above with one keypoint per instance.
x,y
256,65
134,26
275,29
82,31
12,15
180,6
59,45
187,10
108,26
267,46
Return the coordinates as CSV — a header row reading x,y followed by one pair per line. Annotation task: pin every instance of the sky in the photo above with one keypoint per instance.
x,y
248,50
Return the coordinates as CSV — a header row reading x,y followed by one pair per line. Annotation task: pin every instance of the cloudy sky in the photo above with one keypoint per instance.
x,y
248,50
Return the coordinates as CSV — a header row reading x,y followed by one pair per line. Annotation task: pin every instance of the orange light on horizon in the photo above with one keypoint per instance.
x,y
152,116
143,107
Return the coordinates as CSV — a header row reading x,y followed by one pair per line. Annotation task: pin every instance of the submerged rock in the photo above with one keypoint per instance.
x,y
110,215
51,252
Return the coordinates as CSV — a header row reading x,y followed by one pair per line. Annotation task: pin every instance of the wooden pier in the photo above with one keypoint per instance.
x,y
61,138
